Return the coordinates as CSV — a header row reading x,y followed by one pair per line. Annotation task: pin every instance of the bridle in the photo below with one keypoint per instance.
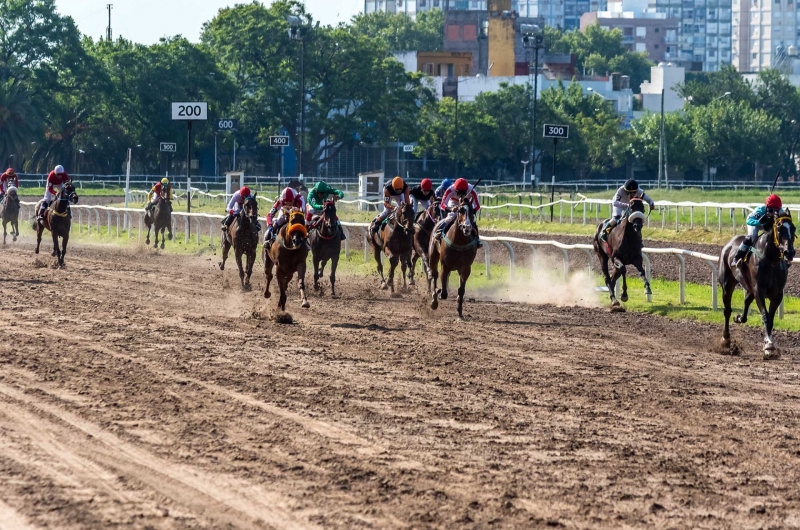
x,y
328,220
783,221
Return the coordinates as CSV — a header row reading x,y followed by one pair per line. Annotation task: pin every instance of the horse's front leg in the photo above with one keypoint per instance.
x,y
433,277
376,252
393,260
267,269
462,289
283,284
251,260
405,262
334,265
65,240
238,255
317,271
770,352
147,237
624,283
640,267
4,232
411,266
445,281
742,318
301,284
163,238
16,230
39,229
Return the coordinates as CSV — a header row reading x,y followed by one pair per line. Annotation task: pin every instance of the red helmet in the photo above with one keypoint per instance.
x,y
774,202
426,185
245,191
288,195
461,185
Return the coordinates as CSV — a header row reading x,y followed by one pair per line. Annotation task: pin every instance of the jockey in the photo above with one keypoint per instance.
x,y
443,187
758,221
277,216
155,193
449,204
396,190
622,201
57,177
235,207
422,194
316,201
5,182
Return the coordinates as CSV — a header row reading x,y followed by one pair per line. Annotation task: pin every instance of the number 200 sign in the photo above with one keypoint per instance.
x,y
556,131
197,111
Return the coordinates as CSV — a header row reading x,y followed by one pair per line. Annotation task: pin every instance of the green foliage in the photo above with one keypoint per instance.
x,y
646,133
399,32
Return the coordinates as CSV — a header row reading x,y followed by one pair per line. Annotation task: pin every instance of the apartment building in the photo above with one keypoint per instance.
x,y
704,34
765,35
412,7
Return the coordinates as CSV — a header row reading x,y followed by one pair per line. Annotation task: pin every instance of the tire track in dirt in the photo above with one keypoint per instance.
x,y
219,499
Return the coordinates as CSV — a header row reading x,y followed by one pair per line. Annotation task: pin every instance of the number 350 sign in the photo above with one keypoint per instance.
x,y
190,111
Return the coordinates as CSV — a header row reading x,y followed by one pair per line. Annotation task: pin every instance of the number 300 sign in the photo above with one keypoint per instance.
x,y
190,111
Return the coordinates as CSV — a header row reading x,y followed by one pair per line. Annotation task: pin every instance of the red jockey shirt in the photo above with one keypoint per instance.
x,y
56,180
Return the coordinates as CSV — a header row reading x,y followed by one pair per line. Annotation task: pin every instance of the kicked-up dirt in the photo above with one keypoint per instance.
x,y
145,390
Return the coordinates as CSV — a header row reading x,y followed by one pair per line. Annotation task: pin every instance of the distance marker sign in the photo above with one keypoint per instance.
x,y
279,141
196,111
168,147
556,131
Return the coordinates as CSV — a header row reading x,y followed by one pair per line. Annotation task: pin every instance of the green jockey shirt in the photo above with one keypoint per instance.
x,y
318,194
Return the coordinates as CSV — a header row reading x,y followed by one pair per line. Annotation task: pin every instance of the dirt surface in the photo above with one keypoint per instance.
x,y
145,390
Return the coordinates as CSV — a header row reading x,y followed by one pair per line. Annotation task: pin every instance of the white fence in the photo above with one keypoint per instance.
x,y
123,220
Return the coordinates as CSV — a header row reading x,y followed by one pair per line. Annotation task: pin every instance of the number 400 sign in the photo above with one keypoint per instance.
x,y
196,111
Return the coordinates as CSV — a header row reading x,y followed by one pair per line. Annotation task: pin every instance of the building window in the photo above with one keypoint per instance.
x,y
755,56
641,32
453,32
657,30
470,32
641,47
656,46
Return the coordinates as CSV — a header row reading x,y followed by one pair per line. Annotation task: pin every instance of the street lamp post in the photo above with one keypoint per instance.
x,y
532,38
298,31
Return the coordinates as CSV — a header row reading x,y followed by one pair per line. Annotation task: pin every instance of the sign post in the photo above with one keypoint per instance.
x,y
555,132
188,112
282,142
169,148
226,124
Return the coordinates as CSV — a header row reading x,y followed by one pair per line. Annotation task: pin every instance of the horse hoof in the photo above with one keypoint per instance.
x,y
624,297
726,342
770,353
614,302
36,251
739,319
147,241
267,294
221,266
306,305
384,286
648,291
435,304
443,295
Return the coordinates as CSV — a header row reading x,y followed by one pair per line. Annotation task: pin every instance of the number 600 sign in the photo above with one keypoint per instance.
x,y
196,111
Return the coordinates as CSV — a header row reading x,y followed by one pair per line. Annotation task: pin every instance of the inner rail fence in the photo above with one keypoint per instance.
x,y
123,220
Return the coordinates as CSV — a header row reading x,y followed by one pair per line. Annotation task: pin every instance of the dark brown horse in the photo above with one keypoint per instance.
x,y
326,245
288,253
161,217
623,247
426,221
762,276
395,238
455,251
242,235
10,213
58,219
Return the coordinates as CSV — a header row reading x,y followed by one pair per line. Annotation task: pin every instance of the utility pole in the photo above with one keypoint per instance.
x,y
108,30
661,143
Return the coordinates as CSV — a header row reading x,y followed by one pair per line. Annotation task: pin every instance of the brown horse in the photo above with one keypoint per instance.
x,y
242,235
395,238
455,251
58,219
762,276
623,247
326,245
10,213
161,217
288,253
426,221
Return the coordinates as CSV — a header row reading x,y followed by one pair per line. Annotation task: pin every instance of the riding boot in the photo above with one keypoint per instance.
x,y
268,235
341,231
740,254
258,226
373,227
224,221
229,220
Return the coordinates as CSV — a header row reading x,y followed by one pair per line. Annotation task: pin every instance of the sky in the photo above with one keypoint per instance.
x,y
146,21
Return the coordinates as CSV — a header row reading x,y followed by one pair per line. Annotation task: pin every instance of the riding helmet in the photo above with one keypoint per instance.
x,y
165,181
397,183
289,195
59,170
426,185
631,186
446,183
245,191
774,202
462,185
10,172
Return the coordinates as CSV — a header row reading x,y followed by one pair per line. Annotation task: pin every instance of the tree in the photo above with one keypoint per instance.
x,y
354,88
510,108
399,32
703,88
777,97
19,121
645,138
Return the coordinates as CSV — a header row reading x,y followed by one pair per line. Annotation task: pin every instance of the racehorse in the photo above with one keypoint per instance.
x,y
762,276
455,251
242,235
326,244
426,221
288,254
58,219
395,238
161,216
624,247
10,213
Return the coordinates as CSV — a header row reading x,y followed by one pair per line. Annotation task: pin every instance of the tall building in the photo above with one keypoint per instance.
x,y
705,31
763,32
412,7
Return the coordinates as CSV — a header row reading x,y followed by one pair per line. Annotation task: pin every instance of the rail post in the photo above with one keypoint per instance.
x,y
589,262
682,278
584,213
210,231
141,220
780,307
80,219
705,220
346,242
648,274
117,224
533,261
512,259
566,264
366,244
487,257
712,266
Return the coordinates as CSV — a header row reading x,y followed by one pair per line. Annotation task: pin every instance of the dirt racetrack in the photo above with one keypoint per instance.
x,y
138,391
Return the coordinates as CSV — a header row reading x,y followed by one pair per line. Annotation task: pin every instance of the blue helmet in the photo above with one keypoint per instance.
x,y
446,183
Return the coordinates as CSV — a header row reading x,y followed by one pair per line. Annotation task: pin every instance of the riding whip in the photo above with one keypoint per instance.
x,y
775,182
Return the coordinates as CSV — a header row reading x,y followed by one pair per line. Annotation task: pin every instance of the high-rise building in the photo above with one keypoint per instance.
x,y
412,7
765,33
704,34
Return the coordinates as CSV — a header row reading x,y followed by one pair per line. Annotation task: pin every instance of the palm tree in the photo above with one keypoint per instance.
x,y
19,121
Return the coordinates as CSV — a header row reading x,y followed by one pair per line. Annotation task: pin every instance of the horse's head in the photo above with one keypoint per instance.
x,y
466,215
68,191
636,215
250,207
330,211
405,216
784,233
12,193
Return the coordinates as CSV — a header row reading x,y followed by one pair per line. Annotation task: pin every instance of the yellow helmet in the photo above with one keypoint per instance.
x,y
165,181
397,183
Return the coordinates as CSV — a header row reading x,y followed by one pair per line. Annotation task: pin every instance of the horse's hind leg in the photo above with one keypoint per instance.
x,y
376,252
392,266
64,249
411,266
267,270
317,272
462,289
445,281
405,262
226,247
728,285
301,284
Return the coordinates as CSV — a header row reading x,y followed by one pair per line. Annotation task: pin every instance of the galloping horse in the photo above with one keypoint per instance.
x,y
58,220
326,244
161,217
10,213
762,276
624,247
242,235
395,238
426,221
288,254
455,251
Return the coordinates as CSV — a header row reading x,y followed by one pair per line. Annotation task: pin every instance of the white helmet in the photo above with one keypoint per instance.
x,y
59,170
